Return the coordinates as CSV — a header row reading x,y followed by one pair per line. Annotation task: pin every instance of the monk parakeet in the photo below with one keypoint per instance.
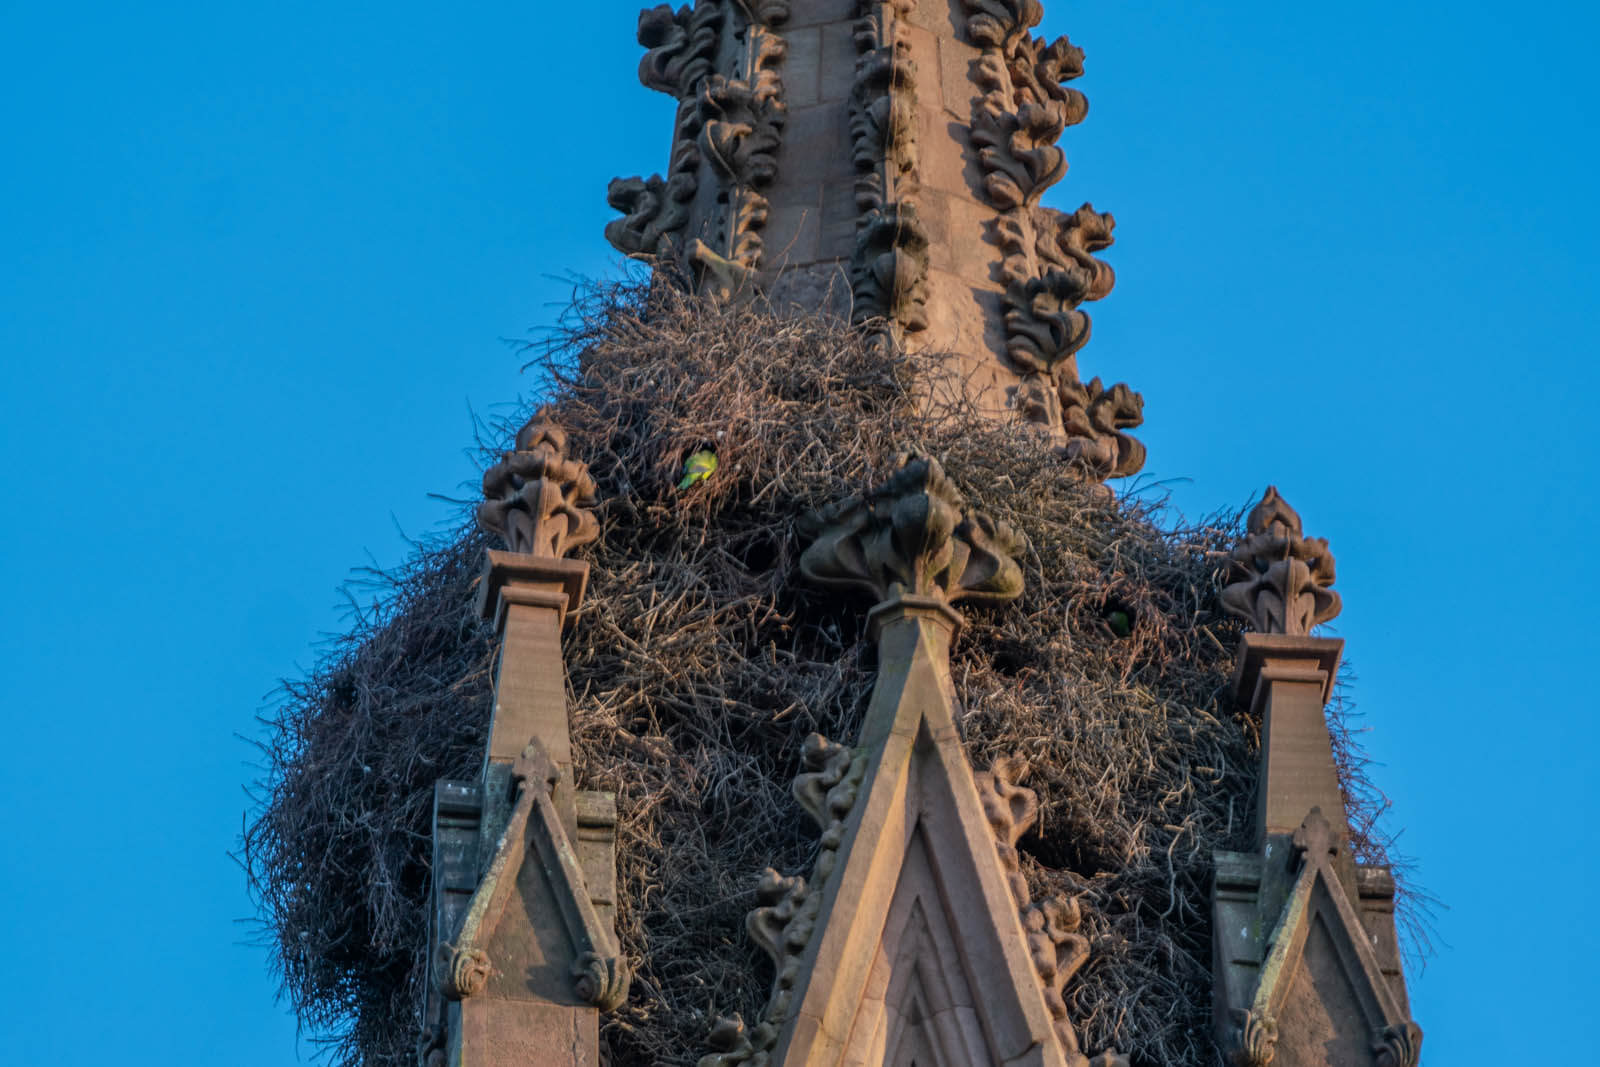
x,y
1121,625
698,467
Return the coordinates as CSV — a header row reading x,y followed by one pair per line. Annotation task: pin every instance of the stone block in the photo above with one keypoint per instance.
x,y
802,67
942,17
958,89
838,60
837,237
528,1032
924,48
818,12
794,225
816,146
975,255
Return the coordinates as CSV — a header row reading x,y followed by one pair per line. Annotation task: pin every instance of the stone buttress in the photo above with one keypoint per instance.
x,y
1306,958
915,939
524,868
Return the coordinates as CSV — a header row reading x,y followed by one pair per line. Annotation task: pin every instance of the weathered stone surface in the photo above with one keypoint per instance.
x,y
1300,983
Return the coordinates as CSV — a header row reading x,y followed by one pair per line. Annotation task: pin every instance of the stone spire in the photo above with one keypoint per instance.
x,y
887,161
1307,962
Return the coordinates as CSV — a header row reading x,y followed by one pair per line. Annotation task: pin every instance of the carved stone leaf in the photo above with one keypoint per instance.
x,y
913,536
827,790
538,498
1055,946
1018,153
1011,810
997,23
742,129
889,271
1068,242
1280,579
653,208
1044,327
1255,1039
1094,419
883,120
682,46
1399,1045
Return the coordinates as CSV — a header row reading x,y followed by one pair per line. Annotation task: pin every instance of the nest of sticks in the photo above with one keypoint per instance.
x,y
700,661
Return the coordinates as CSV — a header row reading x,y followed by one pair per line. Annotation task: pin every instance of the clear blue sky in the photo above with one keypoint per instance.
x,y
257,268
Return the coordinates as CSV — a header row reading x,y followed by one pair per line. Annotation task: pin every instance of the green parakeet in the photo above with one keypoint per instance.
x,y
698,467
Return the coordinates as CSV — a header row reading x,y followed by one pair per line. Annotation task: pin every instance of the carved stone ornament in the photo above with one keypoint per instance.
x,y
889,267
787,916
742,127
913,536
1256,1037
1018,152
1058,950
681,46
1399,1045
1094,418
883,119
1044,327
653,210
538,498
1311,925
598,973
1279,578
889,271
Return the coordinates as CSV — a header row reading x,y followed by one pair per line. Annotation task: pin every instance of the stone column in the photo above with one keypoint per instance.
x,y
528,962
528,598
1285,680
1307,966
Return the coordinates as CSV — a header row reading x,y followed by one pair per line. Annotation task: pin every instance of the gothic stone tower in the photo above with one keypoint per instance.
x,y
885,162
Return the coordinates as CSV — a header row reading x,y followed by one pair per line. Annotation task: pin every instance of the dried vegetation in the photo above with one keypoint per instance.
x,y
700,661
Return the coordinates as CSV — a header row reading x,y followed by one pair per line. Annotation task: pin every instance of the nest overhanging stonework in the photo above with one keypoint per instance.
x,y
700,661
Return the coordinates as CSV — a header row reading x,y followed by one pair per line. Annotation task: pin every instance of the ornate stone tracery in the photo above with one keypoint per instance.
x,y
1048,267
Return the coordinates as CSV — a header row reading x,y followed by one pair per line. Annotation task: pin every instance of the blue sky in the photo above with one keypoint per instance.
x,y
260,265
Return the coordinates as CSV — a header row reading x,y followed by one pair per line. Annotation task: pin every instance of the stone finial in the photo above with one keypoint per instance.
x,y
913,536
1280,578
538,498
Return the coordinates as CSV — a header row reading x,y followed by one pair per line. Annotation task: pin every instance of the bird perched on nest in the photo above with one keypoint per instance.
x,y
698,467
